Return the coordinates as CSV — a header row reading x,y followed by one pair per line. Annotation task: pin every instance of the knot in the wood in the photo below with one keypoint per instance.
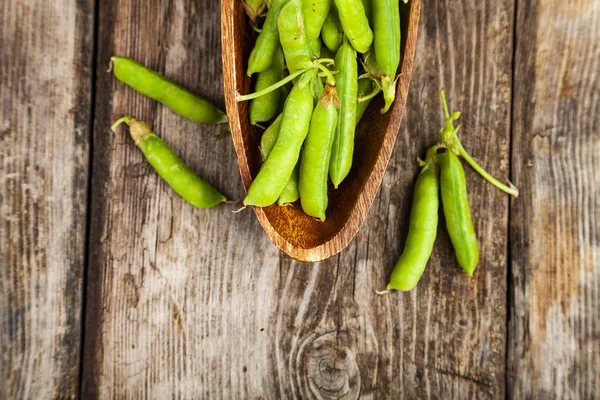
x,y
327,369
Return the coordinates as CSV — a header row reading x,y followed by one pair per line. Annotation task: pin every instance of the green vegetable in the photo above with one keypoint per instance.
x,y
386,26
265,107
332,32
277,169
267,41
347,90
314,164
171,168
421,230
355,24
457,211
158,88
315,12
292,35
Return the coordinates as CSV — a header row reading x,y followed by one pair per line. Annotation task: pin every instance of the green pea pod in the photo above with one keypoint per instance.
x,y
457,211
276,171
355,24
269,138
315,12
267,41
367,6
347,89
364,88
265,107
171,168
292,35
290,192
326,53
315,47
314,164
254,8
386,24
332,32
158,88
422,228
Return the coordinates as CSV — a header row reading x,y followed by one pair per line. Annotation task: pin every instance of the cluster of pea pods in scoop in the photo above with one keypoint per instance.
x,y
339,54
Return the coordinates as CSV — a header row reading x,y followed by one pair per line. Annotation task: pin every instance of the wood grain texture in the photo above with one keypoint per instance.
x,y
45,107
555,224
194,303
298,235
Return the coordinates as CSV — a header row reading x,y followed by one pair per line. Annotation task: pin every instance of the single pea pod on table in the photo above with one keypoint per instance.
x,y
170,167
457,211
158,88
422,228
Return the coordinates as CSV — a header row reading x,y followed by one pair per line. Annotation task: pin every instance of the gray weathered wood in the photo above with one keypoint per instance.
x,y
200,304
554,343
45,106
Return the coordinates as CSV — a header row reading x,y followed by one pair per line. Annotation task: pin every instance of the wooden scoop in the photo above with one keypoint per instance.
x,y
293,232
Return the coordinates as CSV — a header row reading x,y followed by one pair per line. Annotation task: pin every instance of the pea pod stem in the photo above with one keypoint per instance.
x,y
375,92
449,137
269,89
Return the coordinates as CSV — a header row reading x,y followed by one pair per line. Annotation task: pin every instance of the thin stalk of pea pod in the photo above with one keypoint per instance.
x,y
449,137
159,88
170,167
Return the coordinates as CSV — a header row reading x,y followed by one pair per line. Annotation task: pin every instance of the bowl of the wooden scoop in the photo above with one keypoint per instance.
x,y
293,232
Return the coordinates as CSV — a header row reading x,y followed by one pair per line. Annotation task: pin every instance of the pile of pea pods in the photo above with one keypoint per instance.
x,y
338,54
441,173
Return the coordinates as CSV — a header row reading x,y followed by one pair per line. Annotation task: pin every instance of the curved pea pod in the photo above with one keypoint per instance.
x,y
347,89
265,107
292,35
171,168
158,88
269,138
315,12
422,229
386,25
290,192
457,211
332,32
277,169
253,8
314,162
355,24
267,41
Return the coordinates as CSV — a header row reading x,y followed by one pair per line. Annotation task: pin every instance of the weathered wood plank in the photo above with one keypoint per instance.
x,y
45,107
555,235
200,305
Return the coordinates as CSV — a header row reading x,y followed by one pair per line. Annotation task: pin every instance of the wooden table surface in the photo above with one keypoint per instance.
x,y
111,286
